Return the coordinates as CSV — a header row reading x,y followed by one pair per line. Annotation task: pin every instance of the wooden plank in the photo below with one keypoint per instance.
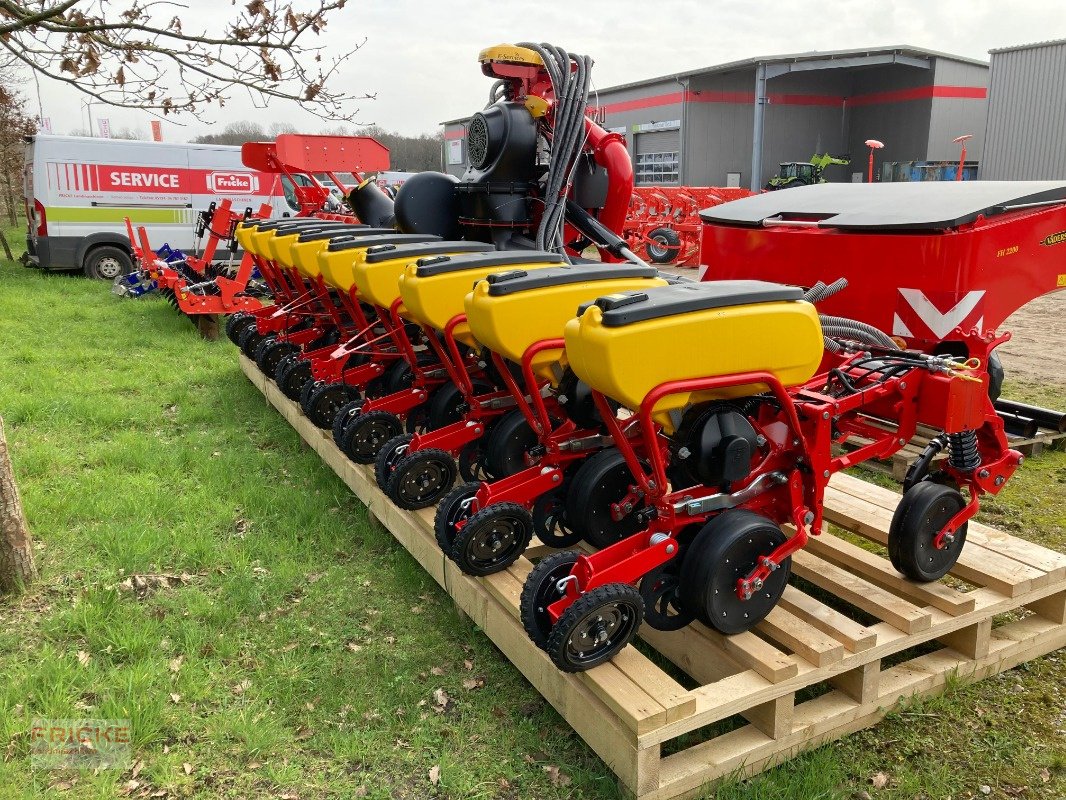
x,y
671,695
975,565
990,538
854,636
861,593
804,640
751,651
876,569
860,684
972,642
1052,607
774,718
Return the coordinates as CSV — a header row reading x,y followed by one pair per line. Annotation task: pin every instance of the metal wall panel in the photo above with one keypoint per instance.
x,y
1026,115
953,116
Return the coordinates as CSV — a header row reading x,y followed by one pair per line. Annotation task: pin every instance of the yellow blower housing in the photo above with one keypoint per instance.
x,y
433,289
377,276
509,311
338,259
626,344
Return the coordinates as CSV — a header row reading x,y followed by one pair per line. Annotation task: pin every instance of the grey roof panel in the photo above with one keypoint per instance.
x,y
886,206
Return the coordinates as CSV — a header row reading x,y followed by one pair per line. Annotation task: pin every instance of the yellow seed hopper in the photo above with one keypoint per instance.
x,y
377,276
509,311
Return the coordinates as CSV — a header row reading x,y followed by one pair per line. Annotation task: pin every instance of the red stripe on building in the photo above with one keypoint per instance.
x,y
919,93
456,134
748,98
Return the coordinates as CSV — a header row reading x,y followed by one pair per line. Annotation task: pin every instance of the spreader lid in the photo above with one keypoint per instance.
x,y
913,206
626,308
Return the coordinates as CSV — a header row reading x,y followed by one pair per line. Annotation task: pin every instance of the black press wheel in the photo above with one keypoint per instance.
x,y
549,521
305,393
421,478
600,481
492,539
235,323
540,590
291,375
446,405
667,245
388,457
596,627
453,512
250,339
270,352
345,415
107,263
366,434
924,510
507,444
727,549
326,400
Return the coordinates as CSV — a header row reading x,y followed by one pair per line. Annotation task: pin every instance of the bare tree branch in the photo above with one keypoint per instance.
x,y
137,54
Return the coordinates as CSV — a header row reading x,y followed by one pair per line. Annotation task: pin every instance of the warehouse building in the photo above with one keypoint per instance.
x,y
732,124
1026,113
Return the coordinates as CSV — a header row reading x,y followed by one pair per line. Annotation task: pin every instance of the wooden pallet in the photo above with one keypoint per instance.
x,y
848,642
899,462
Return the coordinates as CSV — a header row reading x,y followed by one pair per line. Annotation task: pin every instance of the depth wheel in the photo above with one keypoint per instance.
x,y
365,435
453,512
727,549
550,524
541,590
345,415
292,380
596,627
492,539
326,400
472,463
421,478
270,352
251,339
602,480
305,393
507,444
924,510
445,406
388,456
236,324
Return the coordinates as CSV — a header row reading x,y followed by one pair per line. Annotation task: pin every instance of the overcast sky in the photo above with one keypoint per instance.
x,y
420,56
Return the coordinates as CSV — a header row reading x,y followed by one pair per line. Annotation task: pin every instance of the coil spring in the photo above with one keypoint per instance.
x,y
962,451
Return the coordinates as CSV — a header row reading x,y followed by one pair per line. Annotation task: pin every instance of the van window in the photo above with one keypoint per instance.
x,y
290,192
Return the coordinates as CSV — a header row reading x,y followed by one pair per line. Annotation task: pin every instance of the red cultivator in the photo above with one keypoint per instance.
x,y
663,224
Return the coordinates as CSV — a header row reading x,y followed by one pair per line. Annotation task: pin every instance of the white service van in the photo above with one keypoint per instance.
x,y
78,190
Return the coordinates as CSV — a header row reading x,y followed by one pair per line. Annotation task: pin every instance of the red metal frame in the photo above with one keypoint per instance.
x,y
799,460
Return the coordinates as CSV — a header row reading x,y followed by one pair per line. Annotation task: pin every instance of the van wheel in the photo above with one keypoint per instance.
x,y
107,263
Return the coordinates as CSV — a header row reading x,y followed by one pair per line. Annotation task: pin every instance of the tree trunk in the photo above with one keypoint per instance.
x,y
10,196
6,246
17,569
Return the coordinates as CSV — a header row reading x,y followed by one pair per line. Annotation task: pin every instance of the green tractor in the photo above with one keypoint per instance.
x,y
805,173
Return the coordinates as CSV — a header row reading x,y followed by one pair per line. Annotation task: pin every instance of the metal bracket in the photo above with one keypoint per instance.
x,y
722,501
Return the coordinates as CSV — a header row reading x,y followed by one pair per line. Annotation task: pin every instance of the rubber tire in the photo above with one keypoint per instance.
x,y
382,465
93,266
305,393
996,376
326,400
668,249
459,552
507,443
708,554
344,416
270,352
383,420
584,606
235,323
405,466
580,514
442,520
250,339
544,575
921,513
443,406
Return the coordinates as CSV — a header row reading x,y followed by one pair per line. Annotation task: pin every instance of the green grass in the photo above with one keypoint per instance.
x,y
310,643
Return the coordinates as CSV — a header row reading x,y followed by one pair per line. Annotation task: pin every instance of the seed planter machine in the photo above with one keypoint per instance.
x,y
679,436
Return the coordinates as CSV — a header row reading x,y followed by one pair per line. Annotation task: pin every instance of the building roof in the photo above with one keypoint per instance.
x,y
1033,46
813,55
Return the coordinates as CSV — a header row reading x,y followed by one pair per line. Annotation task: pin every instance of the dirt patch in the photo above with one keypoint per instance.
x,y
1036,352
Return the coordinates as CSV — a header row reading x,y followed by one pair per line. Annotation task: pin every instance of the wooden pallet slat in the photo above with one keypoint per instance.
x,y
627,709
